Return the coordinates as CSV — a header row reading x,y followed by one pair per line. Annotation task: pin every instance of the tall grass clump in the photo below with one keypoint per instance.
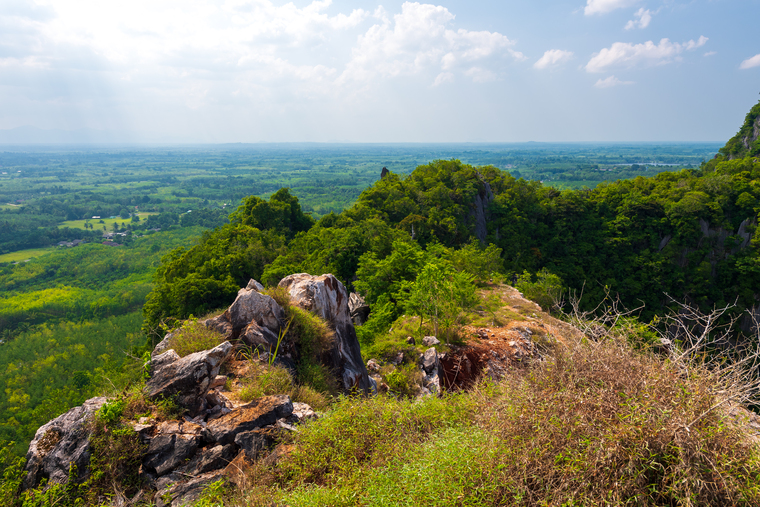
x,y
193,336
312,337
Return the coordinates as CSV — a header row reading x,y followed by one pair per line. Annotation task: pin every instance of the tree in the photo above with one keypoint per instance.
x,y
441,294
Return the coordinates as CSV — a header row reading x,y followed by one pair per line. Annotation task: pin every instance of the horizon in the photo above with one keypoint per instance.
x,y
334,71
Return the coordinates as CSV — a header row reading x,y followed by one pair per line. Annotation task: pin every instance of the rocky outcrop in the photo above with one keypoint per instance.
x,y
174,444
253,318
262,412
358,309
187,378
326,297
482,200
62,442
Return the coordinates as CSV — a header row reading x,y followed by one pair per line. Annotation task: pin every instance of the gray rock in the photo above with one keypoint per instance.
x,y
397,359
185,493
254,285
410,340
261,412
162,346
255,442
187,378
254,317
62,442
163,359
358,309
430,361
210,459
327,297
167,452
430,341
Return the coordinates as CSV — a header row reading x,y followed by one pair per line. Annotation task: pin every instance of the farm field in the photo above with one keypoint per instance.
x,y
23,255
104,221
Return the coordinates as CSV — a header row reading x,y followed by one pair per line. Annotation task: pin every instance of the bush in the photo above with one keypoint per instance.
x,y
404,380
546,290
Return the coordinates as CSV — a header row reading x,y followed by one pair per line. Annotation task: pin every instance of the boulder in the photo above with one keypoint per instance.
x,y
326,297
260,412
255,442
162,346
254,285
187,378
358,309
185,493
210,459
167,452
62,442
430,361
253,317
173,444
430,341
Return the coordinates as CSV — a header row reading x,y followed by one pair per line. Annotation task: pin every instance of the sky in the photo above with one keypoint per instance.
x,y
218,71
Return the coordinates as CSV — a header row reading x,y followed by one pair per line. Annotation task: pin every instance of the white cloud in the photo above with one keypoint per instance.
x,y
644,18
610,82
552,58
751,62
605,6
418,40
627,55
694,45
710,53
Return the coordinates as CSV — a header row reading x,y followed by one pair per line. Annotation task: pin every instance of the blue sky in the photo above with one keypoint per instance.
x,y
366,71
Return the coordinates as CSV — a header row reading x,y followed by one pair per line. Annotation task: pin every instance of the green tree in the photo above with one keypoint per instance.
x,y
441,294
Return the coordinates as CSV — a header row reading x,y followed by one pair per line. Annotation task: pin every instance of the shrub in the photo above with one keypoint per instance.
x,y
546,290
404,380
606,425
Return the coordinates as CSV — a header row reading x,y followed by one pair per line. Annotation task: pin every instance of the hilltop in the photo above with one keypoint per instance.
x,y
383,360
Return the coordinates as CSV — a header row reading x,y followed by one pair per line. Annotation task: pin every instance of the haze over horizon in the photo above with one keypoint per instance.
x,y
204,71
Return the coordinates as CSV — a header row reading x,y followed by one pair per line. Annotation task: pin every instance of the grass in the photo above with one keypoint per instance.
x,y
192,337
266,380
23,255
108,222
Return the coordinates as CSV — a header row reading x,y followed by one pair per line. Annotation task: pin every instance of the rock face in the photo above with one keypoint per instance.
x,y
59,443
254,318
327,297
187,378
261,412
358,309
482,199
